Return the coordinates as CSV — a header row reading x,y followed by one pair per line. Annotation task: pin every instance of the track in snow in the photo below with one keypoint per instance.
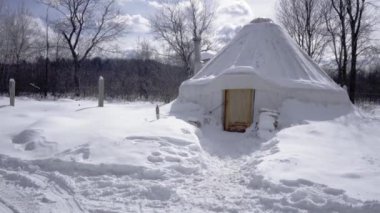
x,y
176,175
221,185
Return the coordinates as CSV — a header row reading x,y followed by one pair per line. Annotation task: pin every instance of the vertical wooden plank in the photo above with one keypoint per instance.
x,y
225,110
251,107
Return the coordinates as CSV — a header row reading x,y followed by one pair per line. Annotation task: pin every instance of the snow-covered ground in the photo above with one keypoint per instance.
x,y
70,156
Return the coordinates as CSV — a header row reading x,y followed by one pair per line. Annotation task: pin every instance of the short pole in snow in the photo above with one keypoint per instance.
x,y
157,112
345,88
12,91
101,92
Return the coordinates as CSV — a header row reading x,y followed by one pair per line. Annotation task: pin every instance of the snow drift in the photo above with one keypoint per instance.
x,y
119,158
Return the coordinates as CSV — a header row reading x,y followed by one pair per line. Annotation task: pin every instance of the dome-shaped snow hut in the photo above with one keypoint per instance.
x,y
261,67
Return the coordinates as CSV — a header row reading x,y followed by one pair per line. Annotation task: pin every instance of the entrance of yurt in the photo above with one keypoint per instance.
x,y
238,109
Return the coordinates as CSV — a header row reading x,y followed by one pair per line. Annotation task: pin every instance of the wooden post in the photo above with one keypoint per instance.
x,y
101,92
12,91
157,112
197,55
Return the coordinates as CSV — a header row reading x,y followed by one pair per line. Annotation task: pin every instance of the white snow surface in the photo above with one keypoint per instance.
x,y
71,156
207,55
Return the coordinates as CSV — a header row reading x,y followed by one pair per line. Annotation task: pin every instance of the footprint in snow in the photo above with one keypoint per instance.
x,y
332,191
155,159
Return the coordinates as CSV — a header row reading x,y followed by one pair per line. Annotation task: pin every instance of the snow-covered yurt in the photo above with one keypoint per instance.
x,y
263,68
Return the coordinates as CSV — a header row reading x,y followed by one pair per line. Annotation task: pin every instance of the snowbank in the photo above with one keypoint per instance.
x,y
343,154
77,131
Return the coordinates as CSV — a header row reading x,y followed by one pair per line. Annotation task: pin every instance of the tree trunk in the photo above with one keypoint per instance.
x,y
46,88
3,77
16,74
340,75
76,78
344,46
353,73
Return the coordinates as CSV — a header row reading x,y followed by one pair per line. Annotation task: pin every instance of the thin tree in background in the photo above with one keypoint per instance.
x,y
304,21
201,19
337,28
355,11
85,25
180,23
346,25
3,48
145,50
19,39
46,87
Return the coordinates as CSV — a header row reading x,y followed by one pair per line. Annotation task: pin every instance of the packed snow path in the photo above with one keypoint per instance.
x,y
130,162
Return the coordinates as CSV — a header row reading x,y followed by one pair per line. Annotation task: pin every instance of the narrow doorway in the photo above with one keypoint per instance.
x,y
238,109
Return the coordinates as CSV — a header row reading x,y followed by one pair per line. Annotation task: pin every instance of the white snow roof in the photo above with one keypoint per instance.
x,y
266,49
207,55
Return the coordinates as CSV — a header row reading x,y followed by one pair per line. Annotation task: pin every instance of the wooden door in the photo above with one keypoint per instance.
x,y
238,109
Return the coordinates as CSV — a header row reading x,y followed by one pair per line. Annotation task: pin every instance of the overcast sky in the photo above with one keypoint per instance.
x,y
231,15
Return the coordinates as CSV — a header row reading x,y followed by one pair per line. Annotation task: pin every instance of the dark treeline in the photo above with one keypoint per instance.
x,y
129,79
368,84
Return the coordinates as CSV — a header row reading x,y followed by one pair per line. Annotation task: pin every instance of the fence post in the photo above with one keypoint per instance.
x,y
12,91
101,92
157,112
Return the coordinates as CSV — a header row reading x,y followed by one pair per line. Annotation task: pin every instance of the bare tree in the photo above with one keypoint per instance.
x,y
337,28
20,35
3,77
304,21
46,79
85,25
181,24
145,50
2,31
356,19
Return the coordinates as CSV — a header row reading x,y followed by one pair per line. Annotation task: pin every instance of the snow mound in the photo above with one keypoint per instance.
x,y
342,154
264,58
27,136
267,124
33,140
115,135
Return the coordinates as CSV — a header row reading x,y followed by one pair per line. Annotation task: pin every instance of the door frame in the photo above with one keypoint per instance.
x,y
250,107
